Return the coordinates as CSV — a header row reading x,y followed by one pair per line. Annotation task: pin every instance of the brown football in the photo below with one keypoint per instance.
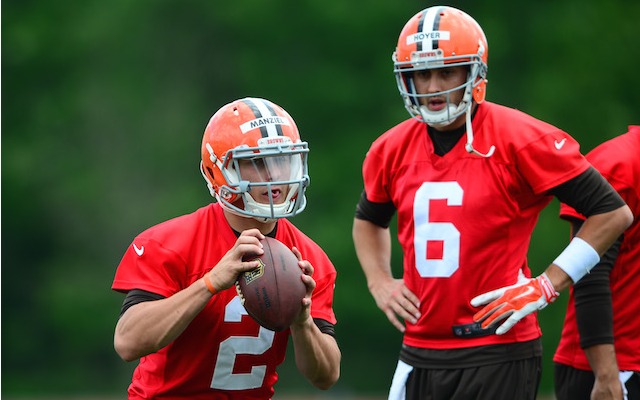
x,y
272,293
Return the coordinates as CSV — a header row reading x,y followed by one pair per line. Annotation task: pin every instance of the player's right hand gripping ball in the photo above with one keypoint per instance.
x,y
272,293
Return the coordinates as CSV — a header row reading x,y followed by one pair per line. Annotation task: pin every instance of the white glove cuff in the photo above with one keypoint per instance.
x,y
548,290
577,259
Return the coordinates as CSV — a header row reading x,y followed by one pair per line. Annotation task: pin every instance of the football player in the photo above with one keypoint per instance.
x,y
603,306
467,179
182,317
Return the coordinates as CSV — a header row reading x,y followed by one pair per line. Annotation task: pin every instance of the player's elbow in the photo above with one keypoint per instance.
x,y
626,217
132,341
326,376
328,380
127,352
131,348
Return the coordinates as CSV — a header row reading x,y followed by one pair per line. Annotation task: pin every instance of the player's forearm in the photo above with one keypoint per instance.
x,y
602,230
598,231
149,326
373,248
317,354
602,359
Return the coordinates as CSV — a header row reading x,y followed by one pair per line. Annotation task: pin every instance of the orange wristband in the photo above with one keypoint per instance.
x,y
207,282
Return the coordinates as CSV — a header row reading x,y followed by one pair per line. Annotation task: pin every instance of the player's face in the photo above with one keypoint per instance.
x,y
431,81
268,169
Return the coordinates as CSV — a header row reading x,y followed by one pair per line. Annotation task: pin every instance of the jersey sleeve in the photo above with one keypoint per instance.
x,y
619,174
375,177
567,212
147,265
550,160
616,170
322,298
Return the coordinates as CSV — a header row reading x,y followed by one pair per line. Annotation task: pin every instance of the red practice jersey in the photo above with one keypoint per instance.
x,y
617,160
223,353
464,221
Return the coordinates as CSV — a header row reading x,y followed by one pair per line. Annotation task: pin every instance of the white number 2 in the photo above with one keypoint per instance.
x,y
444,232
223,376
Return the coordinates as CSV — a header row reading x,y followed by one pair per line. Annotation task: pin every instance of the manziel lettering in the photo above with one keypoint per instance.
x,y
266,121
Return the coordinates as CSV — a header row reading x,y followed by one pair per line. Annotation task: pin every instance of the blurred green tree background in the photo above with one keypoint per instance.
x,y
103,109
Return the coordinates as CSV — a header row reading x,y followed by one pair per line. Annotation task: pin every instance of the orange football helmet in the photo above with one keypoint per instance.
x,y
440,37
253,160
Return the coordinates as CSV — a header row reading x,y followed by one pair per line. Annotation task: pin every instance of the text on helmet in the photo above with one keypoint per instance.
x,y
264,121
425,36
274,140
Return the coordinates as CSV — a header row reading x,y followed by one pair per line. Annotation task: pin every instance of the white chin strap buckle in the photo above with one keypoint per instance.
x,y
437,119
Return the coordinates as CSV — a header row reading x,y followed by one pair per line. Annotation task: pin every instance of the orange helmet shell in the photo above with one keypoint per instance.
x,y
256,130
248,122
442,36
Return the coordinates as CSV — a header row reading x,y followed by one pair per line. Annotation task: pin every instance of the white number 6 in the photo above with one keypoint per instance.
x,y
444,232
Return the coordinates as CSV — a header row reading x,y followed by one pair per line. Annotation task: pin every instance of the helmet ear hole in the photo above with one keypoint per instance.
x,y
216,186
211,176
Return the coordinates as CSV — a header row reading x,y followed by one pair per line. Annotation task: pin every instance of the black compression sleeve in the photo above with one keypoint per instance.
x,y
377,213
325,326
135,296
593,304
589,194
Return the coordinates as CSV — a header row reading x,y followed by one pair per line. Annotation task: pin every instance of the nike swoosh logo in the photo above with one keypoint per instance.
x,y
559,144
525,293
139,251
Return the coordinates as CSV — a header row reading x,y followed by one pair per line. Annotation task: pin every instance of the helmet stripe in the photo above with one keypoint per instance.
x,y
429,22
262,108
272,112
420,28
436,27
256,112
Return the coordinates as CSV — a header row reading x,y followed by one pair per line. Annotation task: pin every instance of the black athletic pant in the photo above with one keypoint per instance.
x,y
504,381
576,384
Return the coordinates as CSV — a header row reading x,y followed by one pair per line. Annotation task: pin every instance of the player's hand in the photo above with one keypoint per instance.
x,y
394,299
226,271
609,388
310,284
608,383
514,302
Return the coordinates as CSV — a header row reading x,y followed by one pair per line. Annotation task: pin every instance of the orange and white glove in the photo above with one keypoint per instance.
x,y
514,302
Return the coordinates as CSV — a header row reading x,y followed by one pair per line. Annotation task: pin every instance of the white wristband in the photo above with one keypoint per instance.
x,y
577,259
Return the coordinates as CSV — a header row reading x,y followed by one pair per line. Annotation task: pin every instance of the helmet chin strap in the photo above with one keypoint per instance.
x,y
469,145
425,113
438,119
274,211
261,212
241,212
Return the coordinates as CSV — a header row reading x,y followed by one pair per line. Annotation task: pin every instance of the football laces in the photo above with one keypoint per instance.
x,y
239,293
